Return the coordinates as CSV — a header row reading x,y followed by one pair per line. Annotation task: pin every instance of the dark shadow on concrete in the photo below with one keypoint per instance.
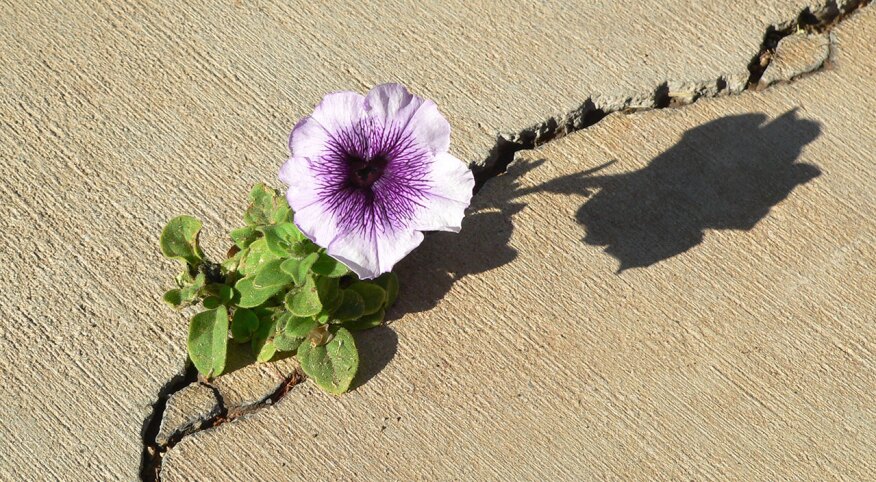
x,y
726,174
429,271
377,347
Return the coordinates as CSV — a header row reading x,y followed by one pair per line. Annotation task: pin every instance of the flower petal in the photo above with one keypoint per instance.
x,y
317,223
373,253
338,112
297,173
450,192
398,111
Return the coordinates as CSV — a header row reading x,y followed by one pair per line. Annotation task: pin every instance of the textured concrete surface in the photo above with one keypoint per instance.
x,y
116,117
242,388
737,344
186,411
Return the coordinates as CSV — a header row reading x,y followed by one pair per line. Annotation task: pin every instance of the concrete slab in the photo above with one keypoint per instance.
x,y
736,343
117,117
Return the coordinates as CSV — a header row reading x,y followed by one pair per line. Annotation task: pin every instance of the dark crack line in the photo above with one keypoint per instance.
x,y
150,462
498,159
822,20
153,452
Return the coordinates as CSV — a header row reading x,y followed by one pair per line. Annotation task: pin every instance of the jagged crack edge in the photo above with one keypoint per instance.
x,y
150,458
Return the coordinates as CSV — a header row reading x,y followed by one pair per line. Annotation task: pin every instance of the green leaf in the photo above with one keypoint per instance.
x,y
372,294
261,205
208,341
258,255
222,291
304,301
188,294
351,307
270,274
173,298
329,293
282,238
389,282
282,213
179,240
366,322
250,295
302,248
244,236
294,332
212,302
262,346
243,324
298,268
329,267
231,264
333,365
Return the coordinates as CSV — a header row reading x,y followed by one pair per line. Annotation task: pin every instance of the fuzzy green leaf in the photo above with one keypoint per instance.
x,y
366,322
208,341
333,365
270,274
222,291
298,268
372,294
261,205
262,340
389,282
329,267
179,240
304,301
173,298
244,236
351,307
212,302
329,292
189,294
258,255
282,213
250,295
294,332
303,248
281,238
243,325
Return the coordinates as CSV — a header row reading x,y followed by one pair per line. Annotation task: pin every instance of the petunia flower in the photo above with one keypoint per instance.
x,y
368,174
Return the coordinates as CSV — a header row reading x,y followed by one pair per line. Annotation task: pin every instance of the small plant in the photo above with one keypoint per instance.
x,y
367,175
277,291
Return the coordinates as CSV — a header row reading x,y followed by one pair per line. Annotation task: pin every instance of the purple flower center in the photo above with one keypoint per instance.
x,y
364,173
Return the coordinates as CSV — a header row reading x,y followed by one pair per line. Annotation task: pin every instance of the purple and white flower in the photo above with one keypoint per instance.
x,y
368,174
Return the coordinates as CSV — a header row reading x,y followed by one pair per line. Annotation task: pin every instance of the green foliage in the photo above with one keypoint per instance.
x,y
276,291
333,365
208,341
179,240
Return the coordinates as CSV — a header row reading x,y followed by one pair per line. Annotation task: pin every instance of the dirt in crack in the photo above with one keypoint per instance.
x,y
153,452
809,21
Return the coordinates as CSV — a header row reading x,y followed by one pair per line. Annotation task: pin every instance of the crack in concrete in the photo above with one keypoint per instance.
x,y
589,113
153,452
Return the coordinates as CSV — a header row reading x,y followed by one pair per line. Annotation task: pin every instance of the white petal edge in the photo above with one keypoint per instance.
x,y
452,184
371,255
336,112
393,104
